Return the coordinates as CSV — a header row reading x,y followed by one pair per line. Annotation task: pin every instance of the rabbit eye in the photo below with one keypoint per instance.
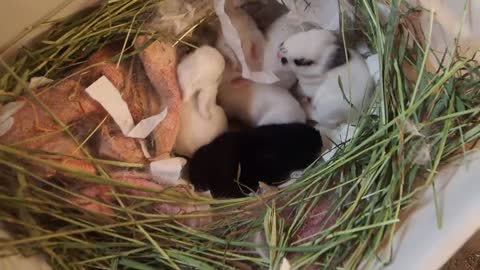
x,y
303,62
284,61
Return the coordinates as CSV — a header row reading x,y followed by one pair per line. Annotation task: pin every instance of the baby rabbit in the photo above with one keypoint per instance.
x,y
201,119
319,62
278,32
233,164
258,104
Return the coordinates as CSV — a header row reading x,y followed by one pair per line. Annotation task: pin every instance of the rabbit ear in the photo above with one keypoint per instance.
x,y
205,100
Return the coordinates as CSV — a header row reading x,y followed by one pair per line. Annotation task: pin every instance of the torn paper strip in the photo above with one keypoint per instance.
x,y
103,91
146,126
10,109
266,188
179,16
109,97
167,172
336,138
206,194
37,82
143,145
6,112
6,125
285,265
294,176
232,39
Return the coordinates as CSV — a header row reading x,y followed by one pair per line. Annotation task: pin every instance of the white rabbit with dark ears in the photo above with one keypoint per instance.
x,y
336,80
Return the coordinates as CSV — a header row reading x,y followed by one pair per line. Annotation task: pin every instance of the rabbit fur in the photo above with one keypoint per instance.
x,y
319,62
233,164
201,119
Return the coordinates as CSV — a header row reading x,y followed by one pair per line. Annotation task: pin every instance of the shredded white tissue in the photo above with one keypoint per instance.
x,y
181,21
168,171
285,265
265,188
423,155
144,147
6,125
109,97
411,128
232,38
146,126
206,194
339,136
294,176
6,112
176,16
36,82
10,109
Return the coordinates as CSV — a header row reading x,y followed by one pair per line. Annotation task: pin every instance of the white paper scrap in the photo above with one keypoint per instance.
x,y
144,147
340,136
109,97
10,109
103,91
6,125
6,112
36,82
206,194
285,265
232,38
146,126
168,171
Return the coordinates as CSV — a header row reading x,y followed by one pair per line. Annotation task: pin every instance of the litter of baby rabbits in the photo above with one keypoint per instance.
x,y
232,134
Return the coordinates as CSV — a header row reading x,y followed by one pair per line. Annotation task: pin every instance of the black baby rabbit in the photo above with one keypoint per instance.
x,y
233,164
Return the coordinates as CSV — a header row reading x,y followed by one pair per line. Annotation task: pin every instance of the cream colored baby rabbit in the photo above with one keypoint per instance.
x,y
201,119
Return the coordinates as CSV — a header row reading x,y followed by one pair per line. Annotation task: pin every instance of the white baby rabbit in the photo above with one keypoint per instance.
x,y
252,39
201,119
280,30
320,61
258,104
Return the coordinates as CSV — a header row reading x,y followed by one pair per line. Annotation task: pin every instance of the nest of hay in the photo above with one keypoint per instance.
x,y
353,202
